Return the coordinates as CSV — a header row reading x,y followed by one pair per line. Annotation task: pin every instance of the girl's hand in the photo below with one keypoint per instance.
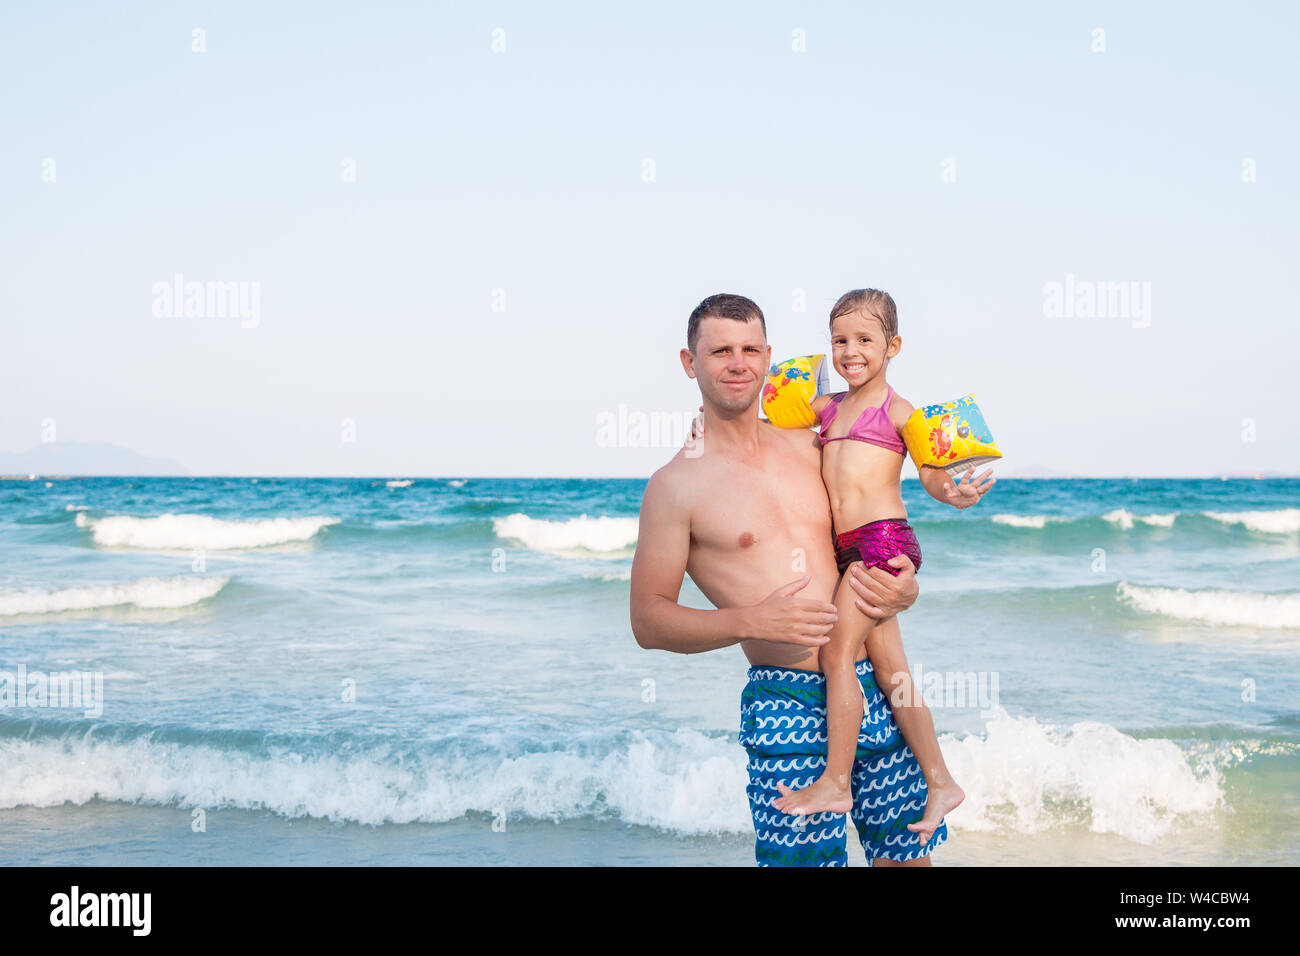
x,y
697,427
968,492
693,447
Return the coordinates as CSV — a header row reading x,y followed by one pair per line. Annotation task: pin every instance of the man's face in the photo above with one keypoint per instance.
x,y
730,362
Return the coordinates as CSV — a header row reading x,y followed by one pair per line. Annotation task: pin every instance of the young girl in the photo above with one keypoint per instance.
x,y
862,461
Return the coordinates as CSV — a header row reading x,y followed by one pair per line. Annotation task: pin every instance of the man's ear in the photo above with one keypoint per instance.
x,y
688,362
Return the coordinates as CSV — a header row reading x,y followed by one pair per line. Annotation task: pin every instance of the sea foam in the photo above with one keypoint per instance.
x,y
686,782
1281,521
1120,517
1024,777
1020,777
1125,519
181,591
581,534
1021,521
1238,608
186,532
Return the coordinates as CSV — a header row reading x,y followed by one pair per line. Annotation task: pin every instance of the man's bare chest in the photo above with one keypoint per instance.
x,y
742,507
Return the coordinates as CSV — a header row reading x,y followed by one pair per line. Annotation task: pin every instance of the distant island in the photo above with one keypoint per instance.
x,y
61,458
1032,471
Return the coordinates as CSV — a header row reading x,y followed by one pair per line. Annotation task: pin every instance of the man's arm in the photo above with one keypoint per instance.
x,y
663,546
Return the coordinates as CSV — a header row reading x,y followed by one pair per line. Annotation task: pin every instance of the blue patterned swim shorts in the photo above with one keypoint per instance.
x,y
783,729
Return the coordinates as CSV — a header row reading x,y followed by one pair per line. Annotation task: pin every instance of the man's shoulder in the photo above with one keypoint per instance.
x,y
692,470
674,479
802,441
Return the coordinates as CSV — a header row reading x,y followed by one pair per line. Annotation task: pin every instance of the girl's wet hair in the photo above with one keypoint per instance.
x,y
873,302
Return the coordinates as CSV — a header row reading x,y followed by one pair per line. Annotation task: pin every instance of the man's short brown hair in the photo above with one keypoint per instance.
x,y
722,306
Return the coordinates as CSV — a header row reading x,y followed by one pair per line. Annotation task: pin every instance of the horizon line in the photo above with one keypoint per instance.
x,y
30,476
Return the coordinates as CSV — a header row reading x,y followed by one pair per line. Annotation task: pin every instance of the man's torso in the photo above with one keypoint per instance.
x,y
757,524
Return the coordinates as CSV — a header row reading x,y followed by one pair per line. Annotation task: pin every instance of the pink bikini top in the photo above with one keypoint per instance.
x,y
872,426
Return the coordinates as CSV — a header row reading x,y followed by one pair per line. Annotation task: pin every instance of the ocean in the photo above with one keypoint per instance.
x,y
409,671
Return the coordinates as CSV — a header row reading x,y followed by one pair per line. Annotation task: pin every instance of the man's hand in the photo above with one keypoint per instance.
x,y
785,619
879,593
968,492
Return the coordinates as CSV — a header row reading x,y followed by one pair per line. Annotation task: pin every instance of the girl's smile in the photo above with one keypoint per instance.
x,y
858,347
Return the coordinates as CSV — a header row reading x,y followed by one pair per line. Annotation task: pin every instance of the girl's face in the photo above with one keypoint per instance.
x,y
858,347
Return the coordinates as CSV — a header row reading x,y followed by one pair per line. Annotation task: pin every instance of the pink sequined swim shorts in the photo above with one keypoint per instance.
x,y
875,543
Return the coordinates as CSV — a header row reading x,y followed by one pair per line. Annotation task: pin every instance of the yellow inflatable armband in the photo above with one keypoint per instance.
x,y
790,389
951,435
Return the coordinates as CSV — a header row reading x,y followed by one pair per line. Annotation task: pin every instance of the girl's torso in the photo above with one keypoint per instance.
x,y
862,461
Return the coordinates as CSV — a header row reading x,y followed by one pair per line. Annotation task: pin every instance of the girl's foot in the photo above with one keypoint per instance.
x,y
821,797
939,803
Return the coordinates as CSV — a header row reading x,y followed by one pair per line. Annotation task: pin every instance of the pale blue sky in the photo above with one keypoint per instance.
x,y
523,171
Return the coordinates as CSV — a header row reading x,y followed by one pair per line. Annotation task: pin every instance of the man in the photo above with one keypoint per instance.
x,y
745,513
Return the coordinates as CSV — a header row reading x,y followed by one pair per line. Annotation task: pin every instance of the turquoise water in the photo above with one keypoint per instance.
x,y
434,667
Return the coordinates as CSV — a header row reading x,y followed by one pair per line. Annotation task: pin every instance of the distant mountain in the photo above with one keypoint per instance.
x,y
85,458
1035,471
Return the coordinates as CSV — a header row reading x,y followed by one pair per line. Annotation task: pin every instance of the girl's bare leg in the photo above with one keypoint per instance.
x,y
831,792
885,649
919,861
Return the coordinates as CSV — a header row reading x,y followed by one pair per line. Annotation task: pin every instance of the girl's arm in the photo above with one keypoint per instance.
x,y
966,492
697,423
935,480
